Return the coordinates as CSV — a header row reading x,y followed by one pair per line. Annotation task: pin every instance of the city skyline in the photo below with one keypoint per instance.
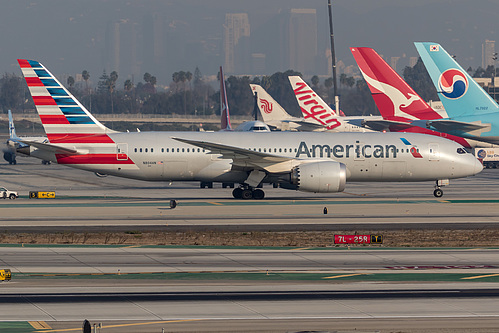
x,y
161,37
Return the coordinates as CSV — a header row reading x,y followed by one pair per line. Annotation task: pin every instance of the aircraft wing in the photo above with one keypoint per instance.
x,y
245,157
453,126
386,125
52,148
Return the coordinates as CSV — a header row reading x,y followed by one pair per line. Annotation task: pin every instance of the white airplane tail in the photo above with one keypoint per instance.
x,y
270,110
313,108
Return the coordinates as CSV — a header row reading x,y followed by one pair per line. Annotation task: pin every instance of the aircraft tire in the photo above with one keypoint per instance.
x,y
438,193
247,194
258,194
237,193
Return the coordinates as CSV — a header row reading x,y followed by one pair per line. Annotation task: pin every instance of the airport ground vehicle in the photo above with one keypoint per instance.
x,y
5,275
488,156
4,193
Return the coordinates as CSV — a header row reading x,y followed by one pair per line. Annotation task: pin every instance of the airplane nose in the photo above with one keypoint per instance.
x,y
478,166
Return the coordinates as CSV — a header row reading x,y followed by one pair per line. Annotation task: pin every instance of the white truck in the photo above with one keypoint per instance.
x,y
488,156
4,194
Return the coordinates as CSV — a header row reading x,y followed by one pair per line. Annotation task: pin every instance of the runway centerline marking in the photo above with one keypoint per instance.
x,y
479,276
344,275
128,325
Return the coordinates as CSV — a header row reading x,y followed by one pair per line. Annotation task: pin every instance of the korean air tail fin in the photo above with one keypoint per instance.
x,y
313,107
63,117
392,95
459,93
270,110
224,105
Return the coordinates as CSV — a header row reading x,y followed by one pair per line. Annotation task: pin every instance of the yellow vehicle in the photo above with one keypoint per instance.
x,y
5,275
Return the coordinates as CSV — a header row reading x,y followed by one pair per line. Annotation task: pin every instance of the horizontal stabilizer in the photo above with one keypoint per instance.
x,y
386,125
306,125
53,148
450,126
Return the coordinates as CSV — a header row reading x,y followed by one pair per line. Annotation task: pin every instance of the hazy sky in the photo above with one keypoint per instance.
x,y
68,36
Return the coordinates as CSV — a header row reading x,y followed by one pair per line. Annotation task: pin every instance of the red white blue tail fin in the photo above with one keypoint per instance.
x,y
63,117
224,105
394,98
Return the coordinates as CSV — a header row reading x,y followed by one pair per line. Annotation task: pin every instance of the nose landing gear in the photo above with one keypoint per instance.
x,y
438,193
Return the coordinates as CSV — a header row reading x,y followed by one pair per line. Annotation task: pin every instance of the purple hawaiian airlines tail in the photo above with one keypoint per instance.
x,y
224,105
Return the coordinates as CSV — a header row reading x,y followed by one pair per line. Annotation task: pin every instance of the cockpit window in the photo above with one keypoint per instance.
x,y
461,151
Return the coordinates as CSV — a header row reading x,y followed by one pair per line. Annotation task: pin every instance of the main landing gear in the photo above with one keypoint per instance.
x,y
247,192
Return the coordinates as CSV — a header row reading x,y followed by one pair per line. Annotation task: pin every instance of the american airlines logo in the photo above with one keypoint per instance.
x,y
266,106
312,109
356,150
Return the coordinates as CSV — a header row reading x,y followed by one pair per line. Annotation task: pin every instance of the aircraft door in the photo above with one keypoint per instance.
x,y
434,152
122,151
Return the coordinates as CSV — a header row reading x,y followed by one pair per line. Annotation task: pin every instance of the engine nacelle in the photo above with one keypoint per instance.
x,y
320,176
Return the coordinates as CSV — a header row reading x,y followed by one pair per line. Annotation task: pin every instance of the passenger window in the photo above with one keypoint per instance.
x,y
141,150
146,150
178,150
183,150
285,150
152,150
135,149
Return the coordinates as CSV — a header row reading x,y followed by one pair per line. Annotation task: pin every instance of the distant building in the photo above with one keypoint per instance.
x,y
236,43
413,61
302,40
258,64
121,48
393,62
488,50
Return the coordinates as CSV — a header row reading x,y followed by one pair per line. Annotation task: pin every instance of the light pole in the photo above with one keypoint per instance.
x,y
494,58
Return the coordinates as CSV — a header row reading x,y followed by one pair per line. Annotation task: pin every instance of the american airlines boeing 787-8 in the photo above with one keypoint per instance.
x,y
313,162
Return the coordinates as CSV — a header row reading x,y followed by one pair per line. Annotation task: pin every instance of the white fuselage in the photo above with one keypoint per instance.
x,y
378,157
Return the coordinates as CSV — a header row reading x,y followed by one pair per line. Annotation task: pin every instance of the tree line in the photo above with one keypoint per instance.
x,y
190,94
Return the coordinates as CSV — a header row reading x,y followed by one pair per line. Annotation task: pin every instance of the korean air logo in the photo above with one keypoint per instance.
x,y
481,154
453,84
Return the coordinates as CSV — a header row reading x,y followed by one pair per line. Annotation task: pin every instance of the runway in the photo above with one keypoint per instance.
x,y
214,289
87,202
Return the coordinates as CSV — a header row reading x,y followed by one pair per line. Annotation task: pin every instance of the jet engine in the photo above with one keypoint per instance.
x,y
320,176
